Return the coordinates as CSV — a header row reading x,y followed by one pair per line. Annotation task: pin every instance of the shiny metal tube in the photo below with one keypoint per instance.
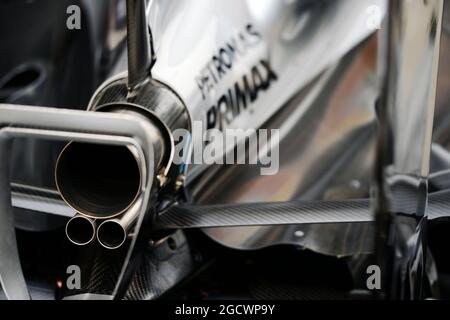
x,y
139,52
80,230
112,233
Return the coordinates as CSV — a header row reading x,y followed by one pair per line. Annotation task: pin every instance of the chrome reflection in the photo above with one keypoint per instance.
x,y
327,135
408,73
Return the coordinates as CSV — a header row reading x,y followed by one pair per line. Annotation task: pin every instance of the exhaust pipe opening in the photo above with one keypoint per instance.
x,y
80,230
111,234
99,181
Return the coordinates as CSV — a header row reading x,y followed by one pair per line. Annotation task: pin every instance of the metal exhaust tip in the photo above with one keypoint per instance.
x,y
99,181
111,234
80,230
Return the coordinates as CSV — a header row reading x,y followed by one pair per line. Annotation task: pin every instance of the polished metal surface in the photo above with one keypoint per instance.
x,y
292,37
297,40
408,75
326,139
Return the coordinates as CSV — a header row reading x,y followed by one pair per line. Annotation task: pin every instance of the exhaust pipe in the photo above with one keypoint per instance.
x,y
103,181
112,233
80,230
99,181
140,56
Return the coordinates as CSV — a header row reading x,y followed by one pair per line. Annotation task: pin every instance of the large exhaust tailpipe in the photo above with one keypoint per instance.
x,y
112,233
99,181
80,230
103,181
